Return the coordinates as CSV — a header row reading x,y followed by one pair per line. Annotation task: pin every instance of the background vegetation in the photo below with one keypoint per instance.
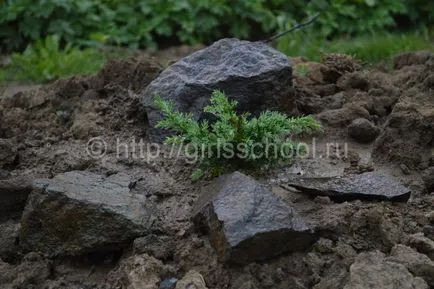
x,y
141,24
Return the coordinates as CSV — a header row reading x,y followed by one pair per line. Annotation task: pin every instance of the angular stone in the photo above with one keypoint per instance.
x,y
13,196
372,271
247,222
81,212
366,186
253,73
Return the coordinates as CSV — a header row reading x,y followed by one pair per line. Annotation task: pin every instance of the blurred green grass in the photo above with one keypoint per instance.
x,y
370,49
46,60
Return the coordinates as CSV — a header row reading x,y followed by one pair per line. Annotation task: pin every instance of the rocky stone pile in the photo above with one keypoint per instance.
x,y
364,220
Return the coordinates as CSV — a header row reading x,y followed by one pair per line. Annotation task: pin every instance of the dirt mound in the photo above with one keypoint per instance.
x,y
401,103
339,88
412,58
73,110
408,134
337,65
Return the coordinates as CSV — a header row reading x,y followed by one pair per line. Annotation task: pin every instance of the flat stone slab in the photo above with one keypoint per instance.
x,y
253,73
247,222
366,186
81,212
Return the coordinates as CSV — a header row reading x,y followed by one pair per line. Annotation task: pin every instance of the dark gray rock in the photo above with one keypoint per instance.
x,y
13,196
366,186
362,130
253,73
80,212
247,222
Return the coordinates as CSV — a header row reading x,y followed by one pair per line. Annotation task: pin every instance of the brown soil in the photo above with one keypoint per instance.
x,y
46,131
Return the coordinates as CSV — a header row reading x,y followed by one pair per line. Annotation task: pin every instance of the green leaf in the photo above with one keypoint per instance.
x,y
370,3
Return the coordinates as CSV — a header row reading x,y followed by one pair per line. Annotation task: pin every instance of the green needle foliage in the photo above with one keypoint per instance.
x,y
234,141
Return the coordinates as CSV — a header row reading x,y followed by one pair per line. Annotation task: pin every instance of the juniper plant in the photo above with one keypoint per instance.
x,y
234,141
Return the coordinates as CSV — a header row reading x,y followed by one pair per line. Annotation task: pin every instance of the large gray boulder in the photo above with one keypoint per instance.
x,y
253,73
80,212
247,222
